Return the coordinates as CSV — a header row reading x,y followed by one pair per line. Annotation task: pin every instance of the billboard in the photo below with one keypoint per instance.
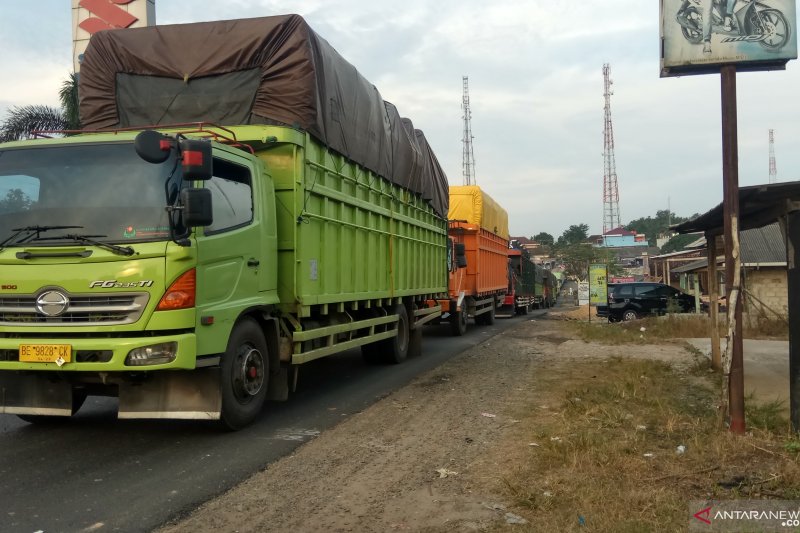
x,y
698,36
91,16
598,287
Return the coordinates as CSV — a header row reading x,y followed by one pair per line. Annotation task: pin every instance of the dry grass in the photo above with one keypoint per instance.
x,y
579,460
672,327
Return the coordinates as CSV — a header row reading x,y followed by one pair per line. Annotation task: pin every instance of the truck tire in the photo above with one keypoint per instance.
x,y
395,350
488,318
458,322
243,375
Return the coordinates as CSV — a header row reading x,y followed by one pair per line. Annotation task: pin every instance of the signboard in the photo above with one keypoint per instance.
x,y
91,16
698,36
628,279
598,287
583,292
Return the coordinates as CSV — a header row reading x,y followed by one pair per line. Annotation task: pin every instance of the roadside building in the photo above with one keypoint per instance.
x,y
764,273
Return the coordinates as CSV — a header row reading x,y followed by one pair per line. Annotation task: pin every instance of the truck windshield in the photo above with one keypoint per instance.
x,y
106,190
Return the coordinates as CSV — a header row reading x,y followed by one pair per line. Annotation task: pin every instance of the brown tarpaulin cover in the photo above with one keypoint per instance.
x,y
273,70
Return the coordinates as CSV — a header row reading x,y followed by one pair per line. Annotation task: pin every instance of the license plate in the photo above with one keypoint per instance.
x,y
45,353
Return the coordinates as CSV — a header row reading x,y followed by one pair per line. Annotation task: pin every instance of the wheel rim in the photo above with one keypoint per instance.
x,y
629,315
248,377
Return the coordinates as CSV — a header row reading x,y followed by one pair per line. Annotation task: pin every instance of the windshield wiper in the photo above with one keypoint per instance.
x,y
88,239
34,234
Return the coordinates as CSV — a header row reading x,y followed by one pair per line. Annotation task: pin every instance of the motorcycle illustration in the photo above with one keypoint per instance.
x,y
750,21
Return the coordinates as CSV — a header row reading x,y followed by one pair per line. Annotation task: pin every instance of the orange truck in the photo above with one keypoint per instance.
x,y
478,279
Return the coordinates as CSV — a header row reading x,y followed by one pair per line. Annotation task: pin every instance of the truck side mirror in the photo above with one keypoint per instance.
x,y
152,146
196,207
461,255
196,159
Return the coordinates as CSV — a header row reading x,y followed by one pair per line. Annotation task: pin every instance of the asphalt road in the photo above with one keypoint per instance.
x,y
96,473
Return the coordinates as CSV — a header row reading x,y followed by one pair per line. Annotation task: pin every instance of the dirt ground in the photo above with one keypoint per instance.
x,y
429,457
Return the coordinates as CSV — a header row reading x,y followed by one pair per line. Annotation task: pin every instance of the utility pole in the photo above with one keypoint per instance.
x,y
468,165
611,218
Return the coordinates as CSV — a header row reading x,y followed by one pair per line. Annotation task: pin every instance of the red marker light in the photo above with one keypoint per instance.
x,y
193,158
165,145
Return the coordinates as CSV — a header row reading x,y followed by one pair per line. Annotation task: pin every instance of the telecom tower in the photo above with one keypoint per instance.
x,y
773,171
611,218
468,160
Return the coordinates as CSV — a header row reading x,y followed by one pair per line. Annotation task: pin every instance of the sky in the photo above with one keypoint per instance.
x,y
535,89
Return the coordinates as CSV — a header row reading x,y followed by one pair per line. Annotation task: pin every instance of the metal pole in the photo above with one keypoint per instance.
x,y
730,193
793,279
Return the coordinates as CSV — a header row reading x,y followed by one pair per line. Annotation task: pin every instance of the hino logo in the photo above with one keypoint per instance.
x,y
52,303
114,284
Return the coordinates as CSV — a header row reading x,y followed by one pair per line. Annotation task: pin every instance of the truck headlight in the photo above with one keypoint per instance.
x,y
155,354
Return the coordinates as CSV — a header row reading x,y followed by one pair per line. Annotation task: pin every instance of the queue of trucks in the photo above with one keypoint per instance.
x,y
230,212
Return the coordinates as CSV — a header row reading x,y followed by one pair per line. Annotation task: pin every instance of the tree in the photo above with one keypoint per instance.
x,y
653,227
21,122
16,200
677,243
577,258
576,233
543,238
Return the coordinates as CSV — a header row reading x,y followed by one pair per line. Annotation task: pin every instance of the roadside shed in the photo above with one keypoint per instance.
x,y
759,206
763,271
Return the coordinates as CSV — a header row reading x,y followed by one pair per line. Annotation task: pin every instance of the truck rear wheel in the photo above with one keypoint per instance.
x,y
395,349
458,322
243,375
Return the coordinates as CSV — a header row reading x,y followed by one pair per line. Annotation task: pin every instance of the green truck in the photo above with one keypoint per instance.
x,y
188,268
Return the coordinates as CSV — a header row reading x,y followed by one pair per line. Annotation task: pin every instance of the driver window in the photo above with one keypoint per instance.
x,y
231,196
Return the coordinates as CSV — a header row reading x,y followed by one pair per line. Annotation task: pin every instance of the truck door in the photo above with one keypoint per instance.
x,y
230,263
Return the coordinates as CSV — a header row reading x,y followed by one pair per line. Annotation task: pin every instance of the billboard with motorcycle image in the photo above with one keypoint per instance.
x,y
697,36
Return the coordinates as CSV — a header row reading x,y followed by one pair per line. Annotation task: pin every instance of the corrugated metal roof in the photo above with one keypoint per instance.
x,y
756,203
763,245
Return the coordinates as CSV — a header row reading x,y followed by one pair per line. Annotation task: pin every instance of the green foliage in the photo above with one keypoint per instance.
x,y
68,95
575,234
543,238
653,227
577,257
678,243
21,122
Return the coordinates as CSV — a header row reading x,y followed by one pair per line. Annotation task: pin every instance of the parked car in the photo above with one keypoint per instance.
x,y
629,301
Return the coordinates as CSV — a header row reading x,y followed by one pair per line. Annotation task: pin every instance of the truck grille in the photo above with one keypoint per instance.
x,y
83,310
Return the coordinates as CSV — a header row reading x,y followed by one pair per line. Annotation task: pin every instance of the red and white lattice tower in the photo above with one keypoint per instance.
x,y
773,170
611,218
468,161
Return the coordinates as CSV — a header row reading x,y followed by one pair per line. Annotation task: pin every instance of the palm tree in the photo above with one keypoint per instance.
x,y
21,122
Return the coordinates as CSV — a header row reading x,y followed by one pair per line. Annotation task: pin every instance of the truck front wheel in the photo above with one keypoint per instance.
x,y
243,375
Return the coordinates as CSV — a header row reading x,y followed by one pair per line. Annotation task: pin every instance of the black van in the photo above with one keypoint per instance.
x,y
629,301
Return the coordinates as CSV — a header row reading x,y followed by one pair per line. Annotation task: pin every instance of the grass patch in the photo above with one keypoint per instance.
x,y
601,453
682,326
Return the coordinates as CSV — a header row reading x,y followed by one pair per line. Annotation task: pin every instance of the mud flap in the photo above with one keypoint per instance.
x,y
190,394
278,389
34,394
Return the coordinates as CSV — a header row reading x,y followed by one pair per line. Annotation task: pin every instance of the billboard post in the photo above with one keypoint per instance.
x,y
726,36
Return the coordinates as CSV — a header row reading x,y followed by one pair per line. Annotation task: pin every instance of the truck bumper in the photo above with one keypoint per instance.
x,y
99,354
